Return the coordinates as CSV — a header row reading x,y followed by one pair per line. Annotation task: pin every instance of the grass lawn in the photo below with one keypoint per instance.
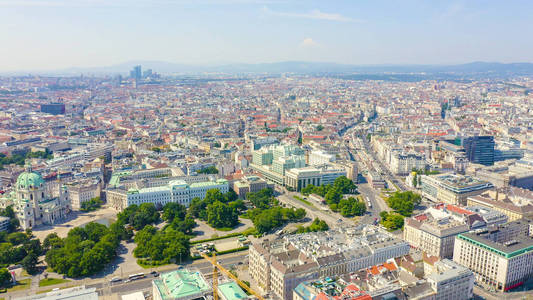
x,y
21,285
146,264
303,200
225,229
52,281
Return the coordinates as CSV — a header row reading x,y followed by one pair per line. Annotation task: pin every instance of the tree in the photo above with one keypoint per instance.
x,y
85,250
17,238
173,210
319,128
391,221
351,207
344,184
214,195
230,196
34,246
404,202
333,196
308,189
261,199
29,263
197,207
317,225
168,245
220,215
146,214
208,170
5,277
91,205
415,180
186,226
267,219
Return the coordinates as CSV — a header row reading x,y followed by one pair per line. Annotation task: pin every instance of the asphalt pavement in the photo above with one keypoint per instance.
x,y
122,287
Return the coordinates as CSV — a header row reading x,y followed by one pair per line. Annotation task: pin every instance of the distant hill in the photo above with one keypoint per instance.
x,y
302,67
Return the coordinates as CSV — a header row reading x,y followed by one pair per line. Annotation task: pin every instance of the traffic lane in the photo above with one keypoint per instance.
x,y
204,267
331,220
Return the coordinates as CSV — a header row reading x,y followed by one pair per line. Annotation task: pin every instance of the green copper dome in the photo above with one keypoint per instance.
x,y
29,179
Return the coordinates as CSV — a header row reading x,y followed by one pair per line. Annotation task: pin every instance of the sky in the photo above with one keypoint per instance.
x,y
57,34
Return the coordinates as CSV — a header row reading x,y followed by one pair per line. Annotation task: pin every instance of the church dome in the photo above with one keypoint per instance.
x,y
28,180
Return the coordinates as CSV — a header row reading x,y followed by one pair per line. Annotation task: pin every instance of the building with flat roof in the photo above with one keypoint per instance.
x,y
452,189
506,174
480,149
501,257
181,284
273,161
319,157
250,184
280,265
451,281
434,230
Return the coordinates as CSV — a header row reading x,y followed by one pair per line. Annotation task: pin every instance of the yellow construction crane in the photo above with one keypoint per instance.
x,y
216,267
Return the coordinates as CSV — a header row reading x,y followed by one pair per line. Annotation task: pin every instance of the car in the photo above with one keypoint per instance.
x,y
115,279
55,289
240,263
127,280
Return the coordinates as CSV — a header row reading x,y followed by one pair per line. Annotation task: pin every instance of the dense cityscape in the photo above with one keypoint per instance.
x,y
266,150
293,186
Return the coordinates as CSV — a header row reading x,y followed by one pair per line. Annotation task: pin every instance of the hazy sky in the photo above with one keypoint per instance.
x,y
54,34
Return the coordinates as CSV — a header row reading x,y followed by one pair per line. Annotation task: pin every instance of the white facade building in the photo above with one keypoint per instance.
x,y
451,281
403,164
176,191
318,157
501,257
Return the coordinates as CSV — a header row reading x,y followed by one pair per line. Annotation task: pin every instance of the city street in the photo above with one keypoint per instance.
x,y
105,287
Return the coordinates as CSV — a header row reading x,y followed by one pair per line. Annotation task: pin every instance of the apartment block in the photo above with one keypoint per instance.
x,y
501,257
280,265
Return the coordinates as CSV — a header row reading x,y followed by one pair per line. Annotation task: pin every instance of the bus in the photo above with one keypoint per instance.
x,y
136,276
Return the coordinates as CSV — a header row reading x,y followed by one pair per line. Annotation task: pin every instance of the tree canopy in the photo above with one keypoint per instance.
x,y
5,277
222,215
351,207
404,202
208,170
217,209
267,219
317,225
85,250
161,246
139,216
91,205
391,221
